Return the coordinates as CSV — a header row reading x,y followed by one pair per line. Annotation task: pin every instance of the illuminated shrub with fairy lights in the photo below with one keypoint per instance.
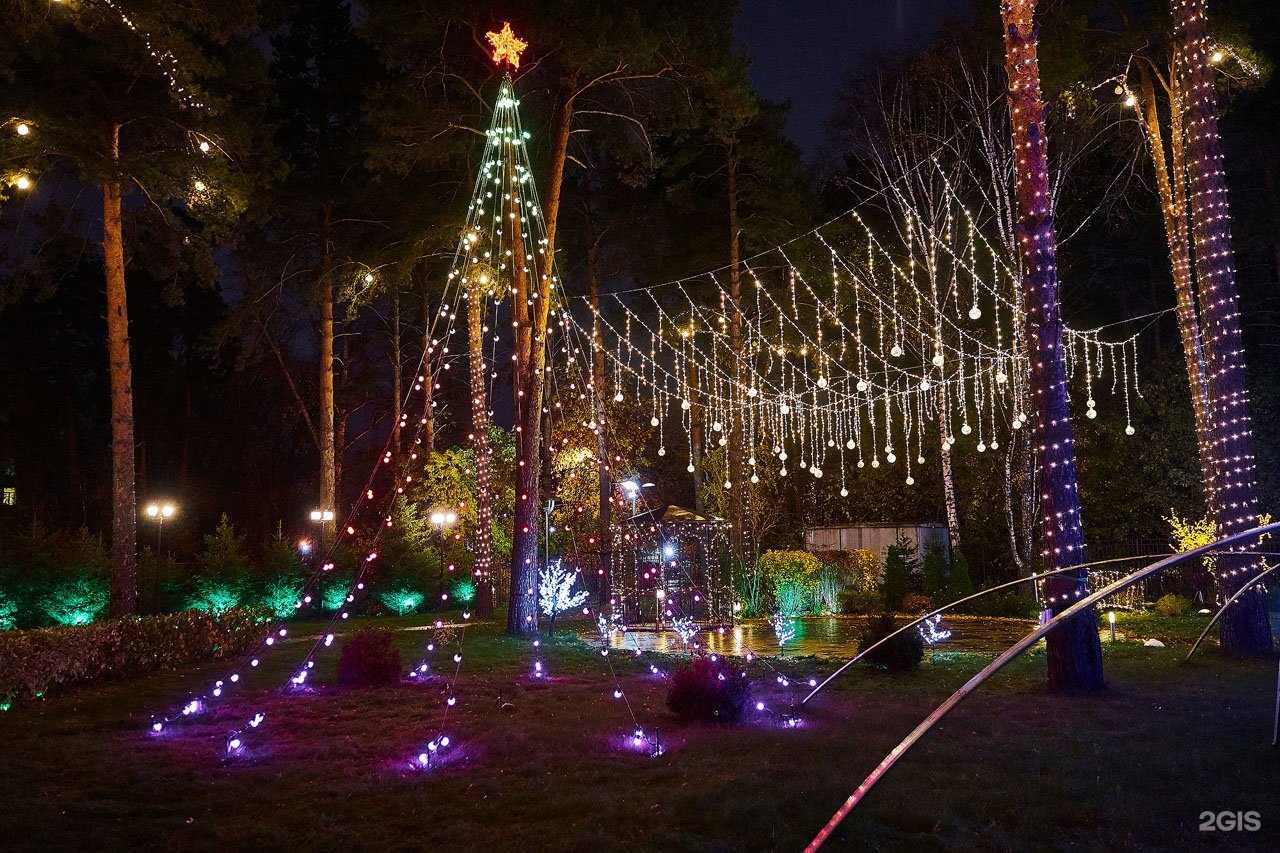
x,y
370,659
401,599
710,692
901,654
77,600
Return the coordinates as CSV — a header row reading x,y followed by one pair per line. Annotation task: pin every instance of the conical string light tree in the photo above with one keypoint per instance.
x,y
1074,650
504,245
1233,500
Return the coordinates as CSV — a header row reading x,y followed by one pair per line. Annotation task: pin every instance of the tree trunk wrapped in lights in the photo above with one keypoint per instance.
x,y
1233,501
1074,651
1172,190
482,544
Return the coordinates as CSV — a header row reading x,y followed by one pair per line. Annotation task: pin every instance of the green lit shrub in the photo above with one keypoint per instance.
x,y
709,692
216,595
901,654
401,599
860,601
33,662
333,591
1173,605
77,600
8,611
280,595
463,591
793,576
370,659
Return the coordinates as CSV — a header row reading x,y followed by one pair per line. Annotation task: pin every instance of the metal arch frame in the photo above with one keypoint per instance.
x,y
946,607
1248,585
1008,655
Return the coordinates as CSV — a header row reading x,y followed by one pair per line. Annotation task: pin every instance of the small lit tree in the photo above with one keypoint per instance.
x,y
555,592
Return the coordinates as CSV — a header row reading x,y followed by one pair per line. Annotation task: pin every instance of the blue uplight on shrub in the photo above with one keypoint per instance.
x,y
401,599
77,600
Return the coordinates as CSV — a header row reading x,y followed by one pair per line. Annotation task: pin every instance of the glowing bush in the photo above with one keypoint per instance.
x,y
1173,605
8,611
77,600
280,596
216,595
794,577
401,599
464,591
333,592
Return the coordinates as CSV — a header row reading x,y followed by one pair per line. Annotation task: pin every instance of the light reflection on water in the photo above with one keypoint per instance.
x,y
822,636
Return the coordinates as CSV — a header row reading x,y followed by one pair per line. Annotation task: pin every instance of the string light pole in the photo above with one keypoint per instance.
x,y
442,520
1074,650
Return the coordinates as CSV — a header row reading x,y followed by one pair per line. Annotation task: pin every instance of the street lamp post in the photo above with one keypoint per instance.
x,y
323,517
632,489
159,513
442,519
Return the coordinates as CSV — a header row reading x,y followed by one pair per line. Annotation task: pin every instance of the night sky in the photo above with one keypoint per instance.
x,y
802,51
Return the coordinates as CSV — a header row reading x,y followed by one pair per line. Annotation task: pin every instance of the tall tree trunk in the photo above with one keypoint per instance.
x,y
948,479
1234,501
735,463
1074,651
124,499
695,439
428,422
397,380
604,465
1171,187
530,378
482,568
328,454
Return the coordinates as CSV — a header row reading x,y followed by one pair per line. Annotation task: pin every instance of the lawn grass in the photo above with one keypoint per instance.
x,y
1014,768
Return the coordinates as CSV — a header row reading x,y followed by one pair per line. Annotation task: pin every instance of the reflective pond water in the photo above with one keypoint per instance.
x,y
822,636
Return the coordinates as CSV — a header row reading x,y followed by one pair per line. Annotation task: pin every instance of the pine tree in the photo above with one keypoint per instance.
x,y
935,573
133,106
960,584
897,575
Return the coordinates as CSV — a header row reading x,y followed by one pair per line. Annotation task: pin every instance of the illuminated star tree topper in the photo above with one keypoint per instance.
x,y
506,46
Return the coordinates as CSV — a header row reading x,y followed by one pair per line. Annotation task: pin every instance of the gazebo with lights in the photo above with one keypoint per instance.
x,y
673,564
